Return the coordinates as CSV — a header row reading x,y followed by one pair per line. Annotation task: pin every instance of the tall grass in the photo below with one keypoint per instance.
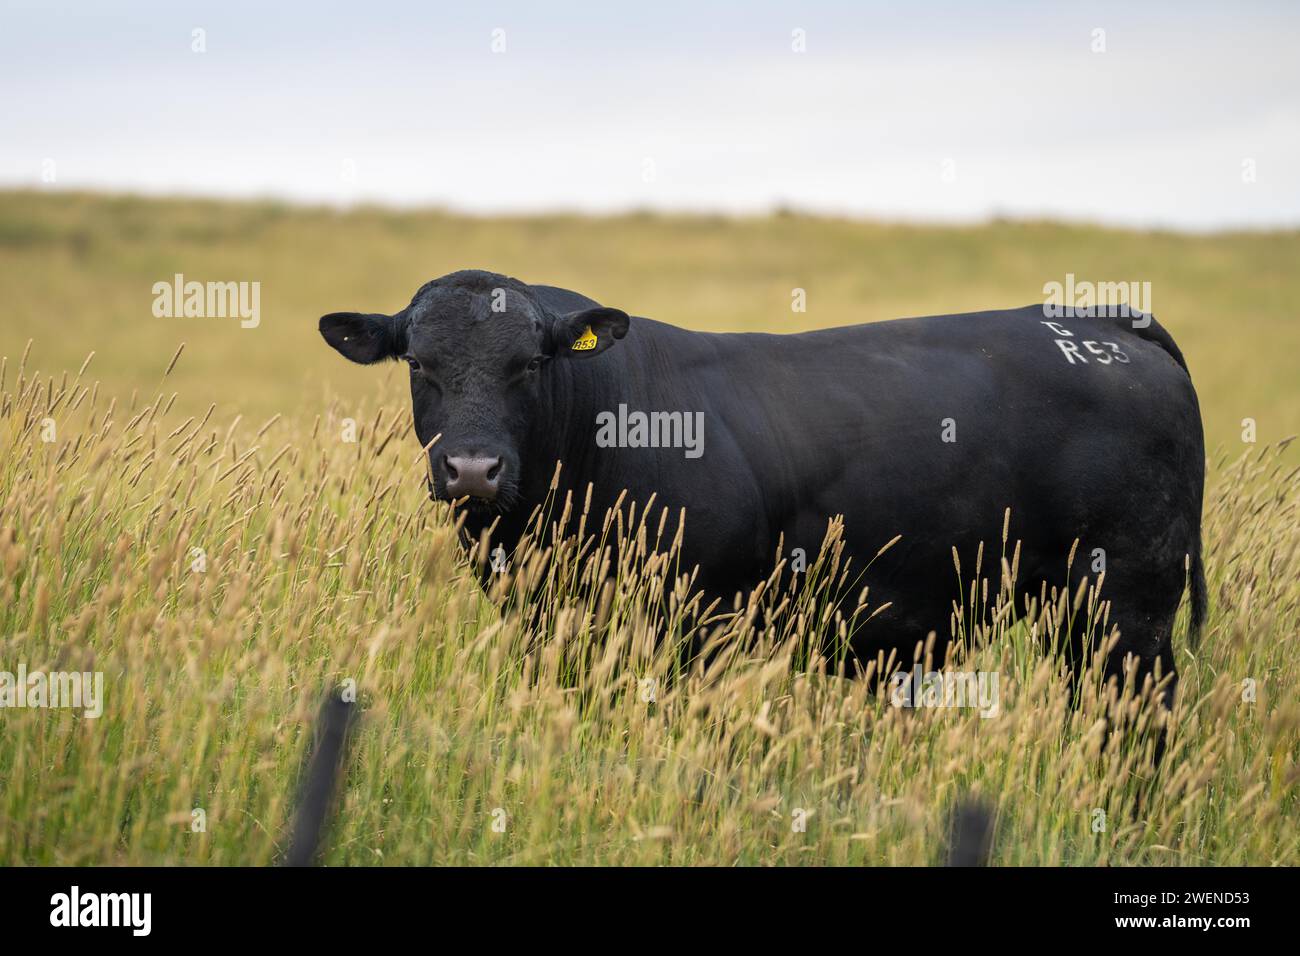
x,y
221,573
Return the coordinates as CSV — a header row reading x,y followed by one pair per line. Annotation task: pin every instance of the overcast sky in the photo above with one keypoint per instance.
x,y
934,111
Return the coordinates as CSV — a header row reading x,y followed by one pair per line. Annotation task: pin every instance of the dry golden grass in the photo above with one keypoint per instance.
x,y
323,563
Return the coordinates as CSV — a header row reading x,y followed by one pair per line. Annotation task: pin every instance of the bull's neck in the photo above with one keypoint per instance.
x,y
575,391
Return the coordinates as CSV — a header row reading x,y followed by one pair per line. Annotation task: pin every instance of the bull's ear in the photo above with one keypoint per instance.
x,y
588,332
362,338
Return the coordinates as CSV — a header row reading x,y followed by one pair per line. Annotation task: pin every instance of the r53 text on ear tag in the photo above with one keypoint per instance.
x,y
584,342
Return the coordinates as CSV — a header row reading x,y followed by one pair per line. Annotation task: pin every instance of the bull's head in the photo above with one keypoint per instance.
x,y
478,345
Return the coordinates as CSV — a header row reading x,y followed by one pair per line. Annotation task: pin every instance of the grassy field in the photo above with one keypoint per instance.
x,y
197,529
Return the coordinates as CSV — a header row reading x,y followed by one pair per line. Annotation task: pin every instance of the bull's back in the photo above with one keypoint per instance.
x,y
931,428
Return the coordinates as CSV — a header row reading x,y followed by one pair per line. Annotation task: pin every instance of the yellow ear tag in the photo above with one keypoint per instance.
x,y
584,342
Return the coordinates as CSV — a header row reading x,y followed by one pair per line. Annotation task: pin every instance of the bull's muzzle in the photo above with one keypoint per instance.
x,y
477,477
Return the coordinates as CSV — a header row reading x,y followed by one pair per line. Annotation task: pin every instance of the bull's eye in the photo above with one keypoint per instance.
x,y
536,363
414,363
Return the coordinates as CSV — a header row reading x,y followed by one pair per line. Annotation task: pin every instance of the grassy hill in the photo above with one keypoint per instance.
x,y
76,273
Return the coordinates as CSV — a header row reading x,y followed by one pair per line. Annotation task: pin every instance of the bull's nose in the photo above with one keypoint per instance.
x,y
478,477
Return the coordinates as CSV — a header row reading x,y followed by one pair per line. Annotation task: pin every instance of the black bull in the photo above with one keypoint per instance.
x,y
1086,427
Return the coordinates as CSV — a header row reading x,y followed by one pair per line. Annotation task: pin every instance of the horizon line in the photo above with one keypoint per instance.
x,y
772,210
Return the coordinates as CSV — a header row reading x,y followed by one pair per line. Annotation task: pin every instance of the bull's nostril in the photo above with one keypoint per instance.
x,y
495,471
452,473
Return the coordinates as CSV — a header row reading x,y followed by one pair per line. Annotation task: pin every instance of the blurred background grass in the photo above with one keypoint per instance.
x,y
77,270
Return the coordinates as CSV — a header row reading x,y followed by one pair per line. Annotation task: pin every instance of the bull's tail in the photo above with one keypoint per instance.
x,y
1200,600
1146,327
